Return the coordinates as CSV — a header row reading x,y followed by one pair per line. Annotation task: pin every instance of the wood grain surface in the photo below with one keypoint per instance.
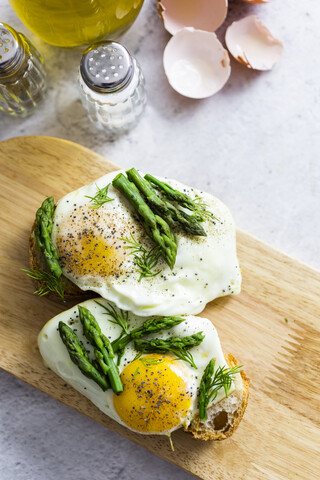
x,y
279,435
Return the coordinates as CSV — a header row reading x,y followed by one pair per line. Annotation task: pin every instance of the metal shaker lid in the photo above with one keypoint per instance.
x,y
106,67
11,50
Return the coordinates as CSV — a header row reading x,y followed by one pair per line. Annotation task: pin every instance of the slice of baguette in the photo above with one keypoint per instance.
x,y
224,416
37,262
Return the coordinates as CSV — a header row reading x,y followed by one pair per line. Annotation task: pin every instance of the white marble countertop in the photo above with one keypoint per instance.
x,y
255,145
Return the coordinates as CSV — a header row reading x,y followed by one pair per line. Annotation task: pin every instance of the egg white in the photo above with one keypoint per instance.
x,y
94,257
56,357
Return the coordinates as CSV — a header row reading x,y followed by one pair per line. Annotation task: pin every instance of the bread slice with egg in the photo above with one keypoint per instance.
x,y
223,417
104,248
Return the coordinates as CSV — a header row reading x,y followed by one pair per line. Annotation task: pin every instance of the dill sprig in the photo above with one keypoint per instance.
x,y
148,361
118,317
145,261
201,212
101,197
135,374
212,382
49,283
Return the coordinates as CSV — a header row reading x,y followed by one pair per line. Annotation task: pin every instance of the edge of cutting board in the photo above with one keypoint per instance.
x,y
252,326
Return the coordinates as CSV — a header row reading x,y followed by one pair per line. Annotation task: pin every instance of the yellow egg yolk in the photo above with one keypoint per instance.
x,y
155,397
88,244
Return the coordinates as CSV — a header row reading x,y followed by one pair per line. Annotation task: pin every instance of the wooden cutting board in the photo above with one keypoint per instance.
x,y
272,327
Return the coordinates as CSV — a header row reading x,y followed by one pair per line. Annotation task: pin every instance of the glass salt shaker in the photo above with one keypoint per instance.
x,y
111,86
22,75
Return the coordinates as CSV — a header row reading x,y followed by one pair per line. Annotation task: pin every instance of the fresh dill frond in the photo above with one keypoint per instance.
x,y
212,382
49,283
145,261
135,374
201,212
101,197
148,361
223,377
119,317
186,356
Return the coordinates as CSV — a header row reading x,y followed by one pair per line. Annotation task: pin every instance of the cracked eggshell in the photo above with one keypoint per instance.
x,y
251,43
200,14
196,64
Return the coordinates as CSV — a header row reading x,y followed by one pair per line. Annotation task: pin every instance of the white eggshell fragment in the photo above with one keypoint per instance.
x,y
196,64
251,43
200,14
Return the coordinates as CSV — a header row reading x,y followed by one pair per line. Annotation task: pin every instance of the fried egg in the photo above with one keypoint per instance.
x,y
160,391
93,254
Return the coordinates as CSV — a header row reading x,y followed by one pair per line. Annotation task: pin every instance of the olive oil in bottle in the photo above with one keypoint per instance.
x,y
67,23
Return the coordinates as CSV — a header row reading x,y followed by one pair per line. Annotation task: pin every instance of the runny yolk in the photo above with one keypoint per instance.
x,y
88,244
155,397
90,256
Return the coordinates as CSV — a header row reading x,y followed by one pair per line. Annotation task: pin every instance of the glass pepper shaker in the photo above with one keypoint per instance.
x,y
22,75
111,86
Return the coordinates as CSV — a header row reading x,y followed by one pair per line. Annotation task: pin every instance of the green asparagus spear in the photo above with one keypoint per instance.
x,y
155,226
204,389
173,216
211,384
152,325
179,346
80,357
118,317
42,231
183,199
102,365
201,214
93,333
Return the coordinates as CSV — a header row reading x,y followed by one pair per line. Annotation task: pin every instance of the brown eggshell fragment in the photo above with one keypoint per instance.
x,y
252,44
200,14
196,64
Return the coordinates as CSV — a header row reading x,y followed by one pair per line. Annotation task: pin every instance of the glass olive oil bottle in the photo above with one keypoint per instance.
x,y
67,23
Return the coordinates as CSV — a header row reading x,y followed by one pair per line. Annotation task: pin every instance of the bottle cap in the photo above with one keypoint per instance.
x,y
106,67
11,50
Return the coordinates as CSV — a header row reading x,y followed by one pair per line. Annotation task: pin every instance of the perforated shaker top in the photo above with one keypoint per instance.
x,y
11,50
106,67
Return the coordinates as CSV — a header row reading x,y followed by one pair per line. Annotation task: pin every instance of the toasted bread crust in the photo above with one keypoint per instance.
x,y
202,432
37,262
